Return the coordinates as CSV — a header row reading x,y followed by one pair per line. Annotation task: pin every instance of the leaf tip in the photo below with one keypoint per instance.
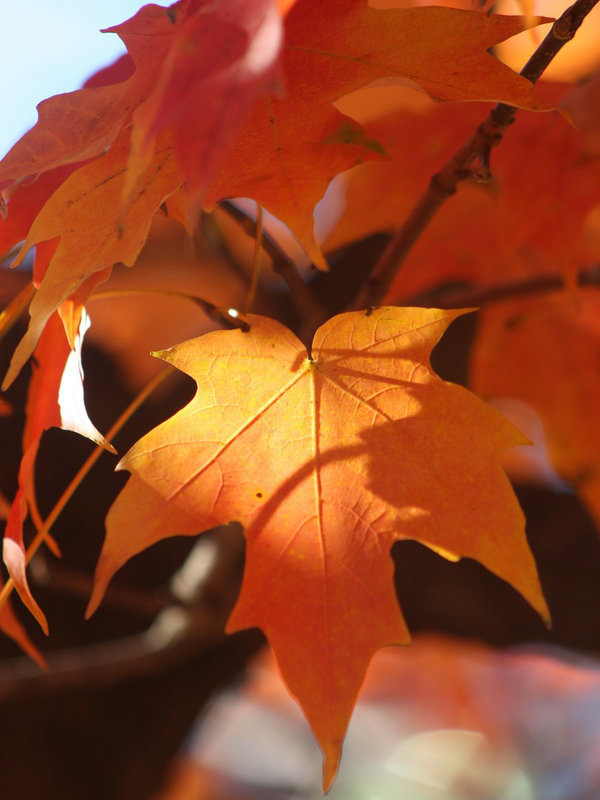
x,y
542,609
110,448
38,658
162,354
14,559
331,764
95,600
459,312
105,569
547,620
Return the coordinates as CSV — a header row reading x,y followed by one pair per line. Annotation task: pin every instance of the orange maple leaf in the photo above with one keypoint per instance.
x,y
83,213
285,154
290,147
223,56
487,230
55,399
79,125
563,387
176,58
326,460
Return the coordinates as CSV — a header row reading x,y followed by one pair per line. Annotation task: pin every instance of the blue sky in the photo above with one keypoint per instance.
x,y
52,46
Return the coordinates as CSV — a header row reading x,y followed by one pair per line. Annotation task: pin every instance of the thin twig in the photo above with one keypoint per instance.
x,y
478,296
81,473
487,136
179,632
309,309
36,517
249,226
222,316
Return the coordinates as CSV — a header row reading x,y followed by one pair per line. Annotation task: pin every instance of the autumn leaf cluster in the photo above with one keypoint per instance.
x,y
327,449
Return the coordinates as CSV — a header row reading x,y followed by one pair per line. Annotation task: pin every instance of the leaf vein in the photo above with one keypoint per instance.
x,y
238,432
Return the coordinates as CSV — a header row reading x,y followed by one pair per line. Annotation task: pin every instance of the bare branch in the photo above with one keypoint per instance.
x,y
488,135
477,296
179,630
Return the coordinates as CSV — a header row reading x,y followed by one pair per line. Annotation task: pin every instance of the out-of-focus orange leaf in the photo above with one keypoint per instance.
x,y
222,57
530,714
290,147
487,232
55,399
284,6
25,203
326,460
562,386
79,125
582,106
84,213
418,140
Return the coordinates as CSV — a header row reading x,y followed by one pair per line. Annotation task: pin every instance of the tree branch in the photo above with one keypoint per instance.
x,y
460,166
181,629
477,296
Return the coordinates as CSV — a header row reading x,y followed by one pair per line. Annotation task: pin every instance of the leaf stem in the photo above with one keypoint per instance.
x,y
44,528
459,167
36,517
221,316
309,309
15,308
258,239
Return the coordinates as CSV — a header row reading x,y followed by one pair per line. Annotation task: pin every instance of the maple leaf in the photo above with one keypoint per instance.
x,y
563,387
223,56
24,204
194,67
84,214
499,228
326,460
290,147
79,125
55,399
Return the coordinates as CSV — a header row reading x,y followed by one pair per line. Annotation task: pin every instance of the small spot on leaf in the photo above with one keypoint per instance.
x,y
349,133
